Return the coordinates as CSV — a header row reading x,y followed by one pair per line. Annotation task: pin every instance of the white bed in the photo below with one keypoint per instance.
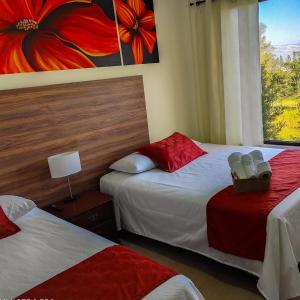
x,y
171,207
46,246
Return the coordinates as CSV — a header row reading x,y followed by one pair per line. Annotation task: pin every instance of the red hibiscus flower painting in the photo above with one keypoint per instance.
x,y
137,31
44,35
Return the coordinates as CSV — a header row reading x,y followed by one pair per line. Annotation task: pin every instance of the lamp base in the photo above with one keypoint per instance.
x,y
71,199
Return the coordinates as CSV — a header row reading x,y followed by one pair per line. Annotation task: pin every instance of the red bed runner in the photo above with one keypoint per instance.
x,y
116,273
237,222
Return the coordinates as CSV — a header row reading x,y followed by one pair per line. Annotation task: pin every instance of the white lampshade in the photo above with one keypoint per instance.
x,y
64,164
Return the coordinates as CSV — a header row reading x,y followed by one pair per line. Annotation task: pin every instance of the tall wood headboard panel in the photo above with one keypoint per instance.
x,y
104,120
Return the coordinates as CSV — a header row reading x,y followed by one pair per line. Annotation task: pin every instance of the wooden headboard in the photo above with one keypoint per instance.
x,y
104,120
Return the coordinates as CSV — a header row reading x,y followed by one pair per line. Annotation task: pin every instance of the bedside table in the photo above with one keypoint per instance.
x,y
93,211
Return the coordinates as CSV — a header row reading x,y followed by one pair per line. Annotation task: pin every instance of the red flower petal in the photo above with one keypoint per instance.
x,y
138,6
11,53
125,34
5,25
86,27
126,15
137,49
12,11
148,20
46,52
149,38
51,5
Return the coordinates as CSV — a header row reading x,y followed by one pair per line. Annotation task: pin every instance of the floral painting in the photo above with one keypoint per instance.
x,y
136,24
44,35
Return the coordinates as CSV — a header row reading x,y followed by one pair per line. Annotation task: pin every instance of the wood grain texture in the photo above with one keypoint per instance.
x,y
103,120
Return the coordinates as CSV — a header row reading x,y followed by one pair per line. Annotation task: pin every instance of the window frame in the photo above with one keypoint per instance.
x,y
282,143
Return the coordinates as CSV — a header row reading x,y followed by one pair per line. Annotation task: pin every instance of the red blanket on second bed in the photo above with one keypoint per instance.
x,y
237,222
115,273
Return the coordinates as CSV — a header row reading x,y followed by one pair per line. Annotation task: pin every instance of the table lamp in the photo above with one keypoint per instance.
x,y
64,165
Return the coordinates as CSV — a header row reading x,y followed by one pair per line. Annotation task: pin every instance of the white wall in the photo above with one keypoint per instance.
x,y
168,90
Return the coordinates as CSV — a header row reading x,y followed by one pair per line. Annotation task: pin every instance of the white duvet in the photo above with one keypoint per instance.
x,y
171,207
47,246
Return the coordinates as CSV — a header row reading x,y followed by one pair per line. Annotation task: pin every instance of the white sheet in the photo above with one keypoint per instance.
x,y
172,208
47,246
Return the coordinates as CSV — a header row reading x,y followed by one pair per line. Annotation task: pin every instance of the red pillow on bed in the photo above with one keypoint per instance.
x,y
173,152
7,227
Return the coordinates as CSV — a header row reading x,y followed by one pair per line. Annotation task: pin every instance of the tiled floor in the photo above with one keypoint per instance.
x,y
214,280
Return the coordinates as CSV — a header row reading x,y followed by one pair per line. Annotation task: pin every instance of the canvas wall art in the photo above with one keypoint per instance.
x,y
136,23
45,35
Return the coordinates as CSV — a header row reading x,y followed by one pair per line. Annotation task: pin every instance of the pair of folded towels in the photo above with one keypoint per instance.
x,y
251,165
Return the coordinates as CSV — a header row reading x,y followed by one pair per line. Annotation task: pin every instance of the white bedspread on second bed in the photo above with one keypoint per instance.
x,y
47,246
171,207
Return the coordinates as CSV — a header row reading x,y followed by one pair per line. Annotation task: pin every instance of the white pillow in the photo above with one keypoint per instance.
x,y
15,207
133,163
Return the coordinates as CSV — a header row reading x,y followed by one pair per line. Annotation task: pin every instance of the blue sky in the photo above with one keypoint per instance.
x,y
282,18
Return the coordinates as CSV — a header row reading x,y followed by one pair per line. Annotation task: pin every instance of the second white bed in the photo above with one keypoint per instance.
x,y
47,246
171,207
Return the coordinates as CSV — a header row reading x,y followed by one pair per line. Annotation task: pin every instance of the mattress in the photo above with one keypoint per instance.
x,y
47,246
171,207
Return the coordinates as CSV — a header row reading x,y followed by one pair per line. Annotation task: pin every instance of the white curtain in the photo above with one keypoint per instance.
x,y
225,38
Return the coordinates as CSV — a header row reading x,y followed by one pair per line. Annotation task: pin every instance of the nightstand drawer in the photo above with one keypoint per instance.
x,y
107,229
95,216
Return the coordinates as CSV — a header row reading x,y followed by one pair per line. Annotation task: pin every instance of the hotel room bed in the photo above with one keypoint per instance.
x,y
147,202
47,246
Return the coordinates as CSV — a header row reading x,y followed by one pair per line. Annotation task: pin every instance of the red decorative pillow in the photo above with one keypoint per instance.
x,y
173,152
7,227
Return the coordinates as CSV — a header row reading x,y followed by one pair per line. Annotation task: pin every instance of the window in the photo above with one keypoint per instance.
x,y
280,69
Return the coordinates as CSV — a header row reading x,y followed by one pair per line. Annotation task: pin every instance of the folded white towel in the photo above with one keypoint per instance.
x,y
249,166
264,170
257,157
235,163
235,156
238,170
